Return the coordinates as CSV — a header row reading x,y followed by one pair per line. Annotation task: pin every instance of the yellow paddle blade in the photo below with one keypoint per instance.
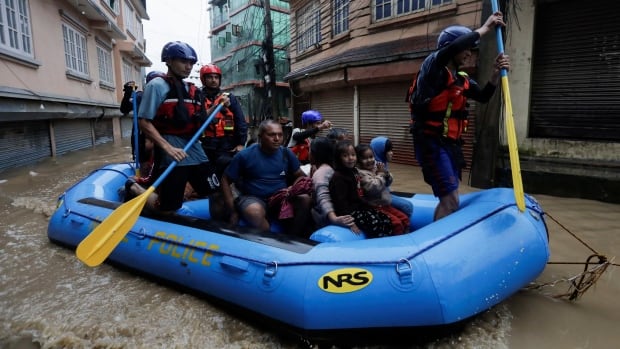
x,y
517,182
100,243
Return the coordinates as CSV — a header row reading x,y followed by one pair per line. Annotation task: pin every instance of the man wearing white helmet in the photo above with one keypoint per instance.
x,y
438,103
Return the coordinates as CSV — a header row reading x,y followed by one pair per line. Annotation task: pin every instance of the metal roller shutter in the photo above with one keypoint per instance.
x,y
72,135
336,106
383,112
126,126
103,131
23,143
575,80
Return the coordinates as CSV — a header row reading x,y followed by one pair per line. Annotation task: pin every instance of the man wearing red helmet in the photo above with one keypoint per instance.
x,y
438,104
228,132
170,114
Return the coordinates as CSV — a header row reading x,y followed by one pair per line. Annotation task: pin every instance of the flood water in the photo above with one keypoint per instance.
x,y
49,299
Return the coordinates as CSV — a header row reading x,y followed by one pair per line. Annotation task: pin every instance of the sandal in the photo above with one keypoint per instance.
x,y
129,194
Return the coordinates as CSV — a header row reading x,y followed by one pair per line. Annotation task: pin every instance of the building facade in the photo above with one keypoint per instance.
x,y
62,69
249,41
565,88
354,60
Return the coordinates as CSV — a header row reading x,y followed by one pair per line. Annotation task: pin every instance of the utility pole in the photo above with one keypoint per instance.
x,y
268,65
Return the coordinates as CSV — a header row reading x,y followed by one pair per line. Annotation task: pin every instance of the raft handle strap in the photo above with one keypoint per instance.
x,y
405,271
270,272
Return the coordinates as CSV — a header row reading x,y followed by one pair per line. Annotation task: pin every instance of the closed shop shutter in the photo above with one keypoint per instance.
x,y
72,135
575,65
103,131
383,112
336,106
126,125
23,143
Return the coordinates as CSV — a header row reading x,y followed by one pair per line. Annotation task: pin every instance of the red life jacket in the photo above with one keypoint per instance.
x,y
302,150
223,123
183,120
445,115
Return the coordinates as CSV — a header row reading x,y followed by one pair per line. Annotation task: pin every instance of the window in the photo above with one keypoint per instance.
x,y
113,4
406,6
129,18
104,59
76,58
128,72
139,32
15,34
392,8
341,16
308,26
383,9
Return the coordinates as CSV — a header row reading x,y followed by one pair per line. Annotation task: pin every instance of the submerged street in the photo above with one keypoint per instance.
x,y
49,299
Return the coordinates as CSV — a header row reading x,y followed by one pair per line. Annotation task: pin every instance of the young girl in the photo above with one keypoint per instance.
x,y
346,193
383,149
322,160
375,180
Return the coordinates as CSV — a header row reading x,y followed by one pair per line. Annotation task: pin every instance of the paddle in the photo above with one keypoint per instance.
x,y
136,131
98,245
517,183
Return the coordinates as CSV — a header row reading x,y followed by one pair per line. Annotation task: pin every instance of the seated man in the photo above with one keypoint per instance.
x,y
262,173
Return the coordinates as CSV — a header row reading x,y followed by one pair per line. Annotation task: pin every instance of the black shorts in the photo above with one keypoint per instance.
x,y
202,177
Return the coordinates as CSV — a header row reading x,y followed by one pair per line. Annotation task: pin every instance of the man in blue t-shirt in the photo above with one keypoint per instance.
x,y
260,171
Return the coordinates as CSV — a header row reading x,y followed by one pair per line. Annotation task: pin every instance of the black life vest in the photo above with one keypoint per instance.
x,y
181,113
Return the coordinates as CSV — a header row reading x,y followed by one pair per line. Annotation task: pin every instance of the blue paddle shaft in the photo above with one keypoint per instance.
x,y
499,37
188,145
136,130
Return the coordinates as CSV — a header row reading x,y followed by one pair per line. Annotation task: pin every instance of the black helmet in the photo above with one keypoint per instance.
x,y
178,49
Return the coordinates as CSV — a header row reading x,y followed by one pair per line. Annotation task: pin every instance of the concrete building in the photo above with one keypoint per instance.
x,y
62,69
240,41
354,60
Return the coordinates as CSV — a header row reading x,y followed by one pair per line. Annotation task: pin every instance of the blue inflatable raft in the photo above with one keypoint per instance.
x,y
439,274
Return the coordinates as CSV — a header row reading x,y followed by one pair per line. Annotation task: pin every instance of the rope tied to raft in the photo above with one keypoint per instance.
x,y
594,267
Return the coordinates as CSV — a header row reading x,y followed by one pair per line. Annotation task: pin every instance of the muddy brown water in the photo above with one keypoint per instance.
x,y
48,299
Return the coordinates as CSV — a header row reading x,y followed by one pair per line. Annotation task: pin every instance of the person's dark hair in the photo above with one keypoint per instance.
x,y
264,124
340,148
337,134
360,149
322,151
